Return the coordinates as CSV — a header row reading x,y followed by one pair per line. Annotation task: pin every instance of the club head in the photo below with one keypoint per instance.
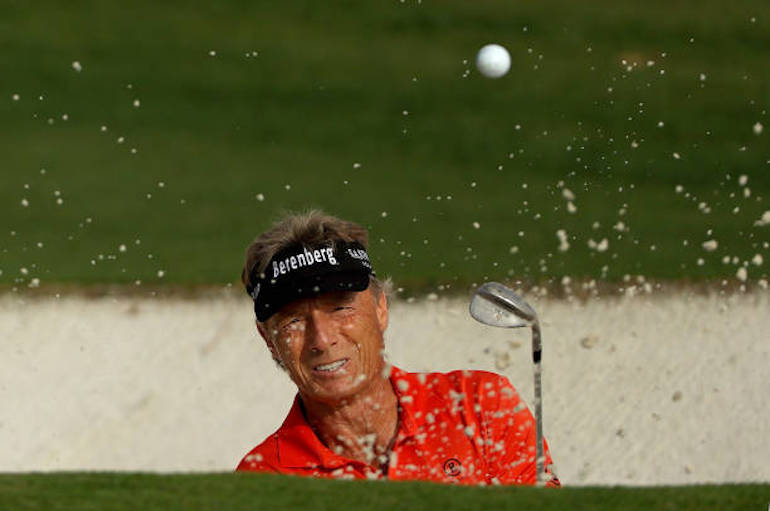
x,y
496,305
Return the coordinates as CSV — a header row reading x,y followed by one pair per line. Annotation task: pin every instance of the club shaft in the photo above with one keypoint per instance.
x,y
537,352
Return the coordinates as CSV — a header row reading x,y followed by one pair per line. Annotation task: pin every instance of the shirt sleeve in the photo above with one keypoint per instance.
x,y
510,434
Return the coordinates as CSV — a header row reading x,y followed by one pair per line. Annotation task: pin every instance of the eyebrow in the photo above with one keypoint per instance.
x,y
335,298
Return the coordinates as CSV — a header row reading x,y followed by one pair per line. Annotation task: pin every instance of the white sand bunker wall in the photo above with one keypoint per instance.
x,y
645,390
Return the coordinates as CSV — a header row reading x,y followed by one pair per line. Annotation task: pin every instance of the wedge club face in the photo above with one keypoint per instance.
x,y
496,305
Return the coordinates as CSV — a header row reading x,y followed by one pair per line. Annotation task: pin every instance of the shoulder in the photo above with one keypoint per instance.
x,y
468,378
464,380
473,385
484,388
262,458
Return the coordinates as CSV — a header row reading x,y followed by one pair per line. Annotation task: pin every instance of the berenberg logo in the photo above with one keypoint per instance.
x,y
304,258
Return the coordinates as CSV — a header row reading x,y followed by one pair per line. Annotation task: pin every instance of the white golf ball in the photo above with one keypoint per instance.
x,y
493,61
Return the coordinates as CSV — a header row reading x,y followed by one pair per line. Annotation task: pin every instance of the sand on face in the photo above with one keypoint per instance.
x,y
666,389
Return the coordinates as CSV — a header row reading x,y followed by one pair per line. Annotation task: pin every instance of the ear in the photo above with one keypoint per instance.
x,y
381,308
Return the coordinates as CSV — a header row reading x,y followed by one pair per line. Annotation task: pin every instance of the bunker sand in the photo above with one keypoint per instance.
x,y
644,390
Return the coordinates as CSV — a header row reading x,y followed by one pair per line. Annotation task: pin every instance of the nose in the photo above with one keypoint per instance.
x,y
320,332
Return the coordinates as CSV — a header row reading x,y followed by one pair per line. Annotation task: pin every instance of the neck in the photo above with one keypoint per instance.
x,y
361,428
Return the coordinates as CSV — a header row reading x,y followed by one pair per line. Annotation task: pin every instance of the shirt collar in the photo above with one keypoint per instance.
x,y
300,447
410,397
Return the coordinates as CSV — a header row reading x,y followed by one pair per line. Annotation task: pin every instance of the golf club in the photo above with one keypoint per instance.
x,y
495,305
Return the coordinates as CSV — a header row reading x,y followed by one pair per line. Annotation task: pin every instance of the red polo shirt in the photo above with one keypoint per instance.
x,y
466,427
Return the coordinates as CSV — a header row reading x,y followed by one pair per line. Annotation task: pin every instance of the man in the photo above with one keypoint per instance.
x,y
322,313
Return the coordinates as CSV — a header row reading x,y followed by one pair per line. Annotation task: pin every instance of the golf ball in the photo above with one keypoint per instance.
x,y
493,61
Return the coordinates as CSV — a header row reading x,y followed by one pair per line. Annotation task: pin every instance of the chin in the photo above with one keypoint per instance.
x,y
339,391
336,391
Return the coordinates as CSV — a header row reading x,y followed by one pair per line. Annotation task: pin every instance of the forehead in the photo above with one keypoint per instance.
x,y
334,298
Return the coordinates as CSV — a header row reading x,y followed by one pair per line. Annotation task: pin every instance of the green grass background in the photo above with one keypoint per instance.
x,y
246,491
374,111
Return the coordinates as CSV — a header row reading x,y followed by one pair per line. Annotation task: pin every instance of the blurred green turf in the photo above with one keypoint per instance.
x,y
246,491
375,112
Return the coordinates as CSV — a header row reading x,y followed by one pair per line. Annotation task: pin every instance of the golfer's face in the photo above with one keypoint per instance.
x,y
331,345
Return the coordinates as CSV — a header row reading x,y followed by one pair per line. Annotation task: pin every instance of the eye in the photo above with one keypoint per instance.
x,y
290,324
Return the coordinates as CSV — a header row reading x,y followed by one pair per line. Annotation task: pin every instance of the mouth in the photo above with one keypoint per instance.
x,y
331,367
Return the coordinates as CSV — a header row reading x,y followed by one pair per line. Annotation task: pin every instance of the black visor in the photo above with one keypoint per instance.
x,y
302,272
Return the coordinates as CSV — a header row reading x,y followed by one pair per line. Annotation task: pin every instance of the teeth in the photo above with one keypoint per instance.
x,y
331,367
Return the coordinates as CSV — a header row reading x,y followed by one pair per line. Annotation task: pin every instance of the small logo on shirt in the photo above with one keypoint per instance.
x,y
453,467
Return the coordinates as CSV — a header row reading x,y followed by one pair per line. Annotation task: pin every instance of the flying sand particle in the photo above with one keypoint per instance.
x,y
764,219
561,234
